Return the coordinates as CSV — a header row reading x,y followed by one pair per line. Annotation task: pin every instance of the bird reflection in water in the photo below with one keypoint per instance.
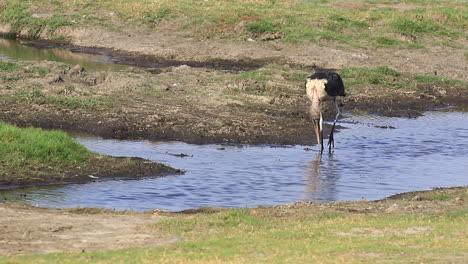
x,y
321,177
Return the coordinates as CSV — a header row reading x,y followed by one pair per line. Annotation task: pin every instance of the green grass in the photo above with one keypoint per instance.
x,y
288,82
273,236
406,26
35,148
36,156
440,197
58,20
59,102
153,17
259,75
361,23
19,14
262,27
8,66
387,78
387,41
381,76
440,81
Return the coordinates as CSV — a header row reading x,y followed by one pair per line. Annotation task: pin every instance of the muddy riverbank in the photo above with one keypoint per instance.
x,y
100,168
196,105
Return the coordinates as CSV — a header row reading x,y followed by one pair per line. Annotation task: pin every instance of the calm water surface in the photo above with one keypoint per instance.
x,y
369,162
101,60
14,50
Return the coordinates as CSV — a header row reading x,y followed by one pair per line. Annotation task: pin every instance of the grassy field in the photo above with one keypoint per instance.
x,y
369,232
402,24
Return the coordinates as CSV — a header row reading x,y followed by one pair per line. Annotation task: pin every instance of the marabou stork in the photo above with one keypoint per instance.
x,y
323,86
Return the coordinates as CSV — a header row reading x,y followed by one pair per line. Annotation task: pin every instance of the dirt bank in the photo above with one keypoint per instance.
x,y
42,231
165,44
98,168
198,105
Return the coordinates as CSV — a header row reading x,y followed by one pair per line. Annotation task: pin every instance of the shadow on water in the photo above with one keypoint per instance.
x,y
374,157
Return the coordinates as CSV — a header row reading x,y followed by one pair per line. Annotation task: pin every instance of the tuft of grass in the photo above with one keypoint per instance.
x,y
260,27
439,81
17,14
60,102
387,41
153,17
8,66
440,197
35,148
58,20
259,75
38,71
384,77
406,26
228,219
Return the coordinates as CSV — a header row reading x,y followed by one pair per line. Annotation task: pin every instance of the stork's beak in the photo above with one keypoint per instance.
x,y
318,132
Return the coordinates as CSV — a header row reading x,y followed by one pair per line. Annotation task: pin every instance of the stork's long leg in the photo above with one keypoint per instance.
x,y
321,132
331,140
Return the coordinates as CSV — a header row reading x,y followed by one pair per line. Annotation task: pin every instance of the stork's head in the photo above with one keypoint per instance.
x,y
315,89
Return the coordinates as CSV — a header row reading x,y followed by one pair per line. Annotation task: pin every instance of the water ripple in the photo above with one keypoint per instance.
x,y
374,158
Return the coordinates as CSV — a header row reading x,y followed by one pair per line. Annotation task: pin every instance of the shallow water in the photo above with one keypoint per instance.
x,y
374,157
14,50
95,59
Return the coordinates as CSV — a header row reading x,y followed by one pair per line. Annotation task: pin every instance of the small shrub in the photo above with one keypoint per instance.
x,y
35,147
406,26
57,21
387,41
260,27
440,197
387,71
8,66
153,17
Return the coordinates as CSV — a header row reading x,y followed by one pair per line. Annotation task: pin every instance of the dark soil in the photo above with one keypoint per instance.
x,y
96,169
182,103
151,62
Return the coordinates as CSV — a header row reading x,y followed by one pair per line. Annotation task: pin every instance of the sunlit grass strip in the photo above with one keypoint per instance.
x,y
267,236
356,80
32,147
305,20
59,102
360,23
385,77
